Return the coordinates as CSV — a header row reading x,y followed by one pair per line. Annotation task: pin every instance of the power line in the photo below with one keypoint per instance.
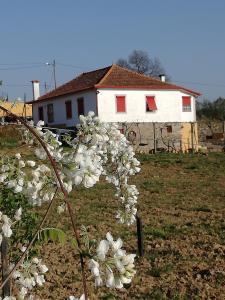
x,y
26,63
21,68
71,66
202,83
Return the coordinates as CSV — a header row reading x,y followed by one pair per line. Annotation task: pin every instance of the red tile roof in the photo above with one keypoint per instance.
x,y
113,77
119,77
82,82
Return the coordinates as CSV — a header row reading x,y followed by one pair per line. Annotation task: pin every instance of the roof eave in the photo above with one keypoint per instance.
x,y
148,88
57,96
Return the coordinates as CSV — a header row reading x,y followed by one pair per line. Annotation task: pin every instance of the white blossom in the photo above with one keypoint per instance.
x,y
111,264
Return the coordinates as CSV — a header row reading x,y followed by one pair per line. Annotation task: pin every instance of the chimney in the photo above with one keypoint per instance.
x,y
36,89
162,77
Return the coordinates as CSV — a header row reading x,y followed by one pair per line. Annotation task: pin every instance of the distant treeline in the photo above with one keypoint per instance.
x,y
211,110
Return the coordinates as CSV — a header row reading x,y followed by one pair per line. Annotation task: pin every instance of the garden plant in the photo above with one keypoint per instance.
x,y
99,150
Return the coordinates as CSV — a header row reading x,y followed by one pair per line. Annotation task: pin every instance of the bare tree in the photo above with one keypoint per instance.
x,y
141,62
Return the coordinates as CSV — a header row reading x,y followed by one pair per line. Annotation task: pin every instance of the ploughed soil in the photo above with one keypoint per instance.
x,y
182,207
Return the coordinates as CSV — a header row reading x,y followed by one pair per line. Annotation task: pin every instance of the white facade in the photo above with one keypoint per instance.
x,y
59,108
169,106
103,102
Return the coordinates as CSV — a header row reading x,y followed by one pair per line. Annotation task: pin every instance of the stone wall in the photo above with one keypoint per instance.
x,y
210,130
172,137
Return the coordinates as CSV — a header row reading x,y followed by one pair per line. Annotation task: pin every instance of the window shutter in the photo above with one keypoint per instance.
x,y
68,109
151,103
186,101
120,103
80,106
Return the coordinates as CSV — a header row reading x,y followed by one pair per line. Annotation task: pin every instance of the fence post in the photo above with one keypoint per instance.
x,y
192,138
5,266
154,137
140,238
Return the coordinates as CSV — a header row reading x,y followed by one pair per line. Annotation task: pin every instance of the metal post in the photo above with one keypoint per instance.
x,y
25,107
140,238
54,73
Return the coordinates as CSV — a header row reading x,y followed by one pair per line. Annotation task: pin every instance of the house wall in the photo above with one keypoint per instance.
x,y
169,106
168,136
60,119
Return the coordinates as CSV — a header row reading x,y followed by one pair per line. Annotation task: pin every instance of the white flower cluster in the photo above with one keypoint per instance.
x,y
99,149
112,156
128,195
112,264
35,182
6,223
30,274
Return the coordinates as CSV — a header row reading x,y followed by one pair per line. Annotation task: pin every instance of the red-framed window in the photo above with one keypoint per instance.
x,y
80,106
68,109
120,104
186,103
150,103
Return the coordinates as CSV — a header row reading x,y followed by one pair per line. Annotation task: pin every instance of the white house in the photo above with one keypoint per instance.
x,y
119,95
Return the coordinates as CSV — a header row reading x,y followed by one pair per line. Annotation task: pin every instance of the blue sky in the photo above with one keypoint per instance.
x,y
187,36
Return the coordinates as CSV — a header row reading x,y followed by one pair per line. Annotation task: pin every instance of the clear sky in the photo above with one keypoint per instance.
x,y
188,36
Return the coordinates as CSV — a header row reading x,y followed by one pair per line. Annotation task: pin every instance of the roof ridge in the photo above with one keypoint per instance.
x,y
140,74
96,70
107,74
152,78
68,82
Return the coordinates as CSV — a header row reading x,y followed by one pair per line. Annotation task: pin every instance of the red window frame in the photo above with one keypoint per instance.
x,y
68,109
120,104
80,106
150,103
186,103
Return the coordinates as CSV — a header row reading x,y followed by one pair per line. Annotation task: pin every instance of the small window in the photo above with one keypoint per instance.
x,y
120,104
50,112
80,106
186,103
41,113
121,130
150,103
169,129
68,109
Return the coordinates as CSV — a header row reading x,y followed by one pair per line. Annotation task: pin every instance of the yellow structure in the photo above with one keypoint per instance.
x,y
189,136
19,108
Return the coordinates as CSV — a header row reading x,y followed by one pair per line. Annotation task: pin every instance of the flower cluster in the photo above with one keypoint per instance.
x,y
6,223
112,264
35,182
98,150
30,274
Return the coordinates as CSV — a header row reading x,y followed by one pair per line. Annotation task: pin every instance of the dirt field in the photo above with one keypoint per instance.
x,y
182,205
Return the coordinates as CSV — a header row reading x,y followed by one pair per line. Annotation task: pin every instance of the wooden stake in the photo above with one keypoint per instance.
x,y
140,238
5,266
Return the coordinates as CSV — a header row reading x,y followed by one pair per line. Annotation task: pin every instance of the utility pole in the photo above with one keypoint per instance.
x,y
45,88
54,72
25,107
